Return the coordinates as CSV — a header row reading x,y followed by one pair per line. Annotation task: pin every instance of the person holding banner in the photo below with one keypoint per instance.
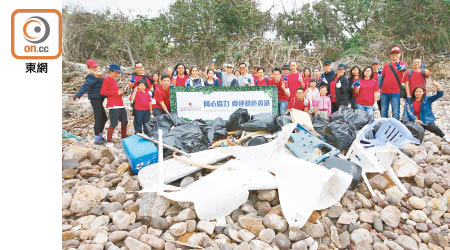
x,y
162,97
245,79
283,90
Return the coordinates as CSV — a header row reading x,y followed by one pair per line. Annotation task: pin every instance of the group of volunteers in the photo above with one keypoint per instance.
x,y
318,93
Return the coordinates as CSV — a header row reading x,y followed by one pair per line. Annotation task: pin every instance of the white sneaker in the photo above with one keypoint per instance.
x,y
446,138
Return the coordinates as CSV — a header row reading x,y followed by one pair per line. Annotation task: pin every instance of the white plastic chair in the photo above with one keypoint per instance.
x,y
375,153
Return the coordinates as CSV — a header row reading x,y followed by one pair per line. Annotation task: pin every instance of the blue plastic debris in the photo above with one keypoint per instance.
x,y
140,152
304,144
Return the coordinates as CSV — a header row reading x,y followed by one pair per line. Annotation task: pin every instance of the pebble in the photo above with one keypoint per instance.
x,y
267,235
178,229
118,236
245,235
153,241
267,195
153,205
300,245
361,238
85,198
378,182
259,245
282,241
252,224
335,212
206,226
430,178
407,242
314,230
134,244
275,222
391,216
121,219
416,202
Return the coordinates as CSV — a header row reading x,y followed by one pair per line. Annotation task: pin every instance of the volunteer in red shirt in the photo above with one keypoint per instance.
x,y
295,78
298,102
306,77
140,75
180,75
261,80
366,92
283,90
162,97
142,107
416,77
389,85
114,94
339,89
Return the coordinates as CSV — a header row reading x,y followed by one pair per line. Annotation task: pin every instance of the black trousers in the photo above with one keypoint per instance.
x,y
100,117
116,115
433,128
140,117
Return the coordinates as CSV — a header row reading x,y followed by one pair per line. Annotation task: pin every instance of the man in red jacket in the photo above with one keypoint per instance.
x,y
114,94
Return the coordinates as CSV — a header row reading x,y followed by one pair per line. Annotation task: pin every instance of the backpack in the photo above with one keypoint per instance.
x,y
144,78
265,79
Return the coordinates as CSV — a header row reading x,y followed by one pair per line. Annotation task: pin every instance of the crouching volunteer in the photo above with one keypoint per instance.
x,y
298,102
92,85
114,94
162,97
142,107
418,109
339,89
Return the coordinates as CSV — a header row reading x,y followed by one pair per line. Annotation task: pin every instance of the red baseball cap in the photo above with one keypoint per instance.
x,y
91,63
396,50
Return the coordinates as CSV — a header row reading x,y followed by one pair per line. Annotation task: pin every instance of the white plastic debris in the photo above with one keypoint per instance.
x,y
302,186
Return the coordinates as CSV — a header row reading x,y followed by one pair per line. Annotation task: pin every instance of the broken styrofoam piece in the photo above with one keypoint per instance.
x,y
306,187
226,188
303,118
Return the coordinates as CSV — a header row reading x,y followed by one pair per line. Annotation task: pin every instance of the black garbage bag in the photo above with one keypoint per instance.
x,y
356,117
319,124
261,121
187,137
416,129
340,134
164,122
283,119
237,118
216,130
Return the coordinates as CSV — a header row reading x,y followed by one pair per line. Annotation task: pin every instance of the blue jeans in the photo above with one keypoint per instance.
x,y
141,117
368,109
282,107
394,100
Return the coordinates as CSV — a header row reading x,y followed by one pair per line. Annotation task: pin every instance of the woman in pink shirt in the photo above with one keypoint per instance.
x,y
366,92
322,105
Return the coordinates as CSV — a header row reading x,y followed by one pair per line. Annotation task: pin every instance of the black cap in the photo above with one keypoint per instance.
x,y
341,66
285,67
326,62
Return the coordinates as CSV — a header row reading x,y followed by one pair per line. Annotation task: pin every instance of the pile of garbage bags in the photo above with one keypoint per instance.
x,y
197,135
341,128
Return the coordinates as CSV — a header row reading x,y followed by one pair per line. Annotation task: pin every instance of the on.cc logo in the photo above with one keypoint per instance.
x,y
36,29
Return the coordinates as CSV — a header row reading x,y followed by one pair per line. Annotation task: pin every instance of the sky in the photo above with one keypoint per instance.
x,y
151,8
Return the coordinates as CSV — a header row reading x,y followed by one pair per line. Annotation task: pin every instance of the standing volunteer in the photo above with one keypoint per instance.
x,y
283,90
366,92
338,89
114,94
295,78
92,85
390,85
418,109
328,75
416,77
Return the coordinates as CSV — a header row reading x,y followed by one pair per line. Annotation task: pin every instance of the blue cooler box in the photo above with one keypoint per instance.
x,y
140,152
